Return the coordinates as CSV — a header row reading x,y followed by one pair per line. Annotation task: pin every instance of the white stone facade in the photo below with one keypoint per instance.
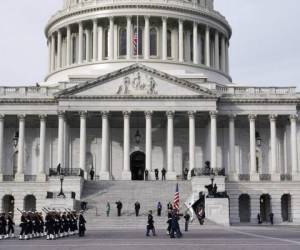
x,y
99,94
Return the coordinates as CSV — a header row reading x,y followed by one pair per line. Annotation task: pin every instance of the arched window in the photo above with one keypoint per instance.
x,y
74,46
30,203
153,42
105,43
137,41
169,43
122,42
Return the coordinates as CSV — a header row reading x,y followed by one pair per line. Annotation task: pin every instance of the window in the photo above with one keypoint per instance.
x,y
169,43
84,46
74,46
122,42
138,41
153,42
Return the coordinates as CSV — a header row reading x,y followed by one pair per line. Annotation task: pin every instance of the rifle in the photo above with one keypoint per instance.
x,y
21,212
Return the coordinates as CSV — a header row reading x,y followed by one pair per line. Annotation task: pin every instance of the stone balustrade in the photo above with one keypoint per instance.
x,y
26,91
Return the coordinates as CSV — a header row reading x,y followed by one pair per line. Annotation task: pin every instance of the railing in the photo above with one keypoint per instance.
x,y
238,90
29,178
27,91
265,177
244,177
208,172
66,172
286,177
8,177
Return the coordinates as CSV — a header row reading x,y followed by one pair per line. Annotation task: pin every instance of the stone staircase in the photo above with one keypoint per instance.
x,y
98,193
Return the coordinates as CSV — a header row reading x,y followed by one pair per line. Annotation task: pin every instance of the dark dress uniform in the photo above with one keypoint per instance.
x,y
82,228
10,225
150,225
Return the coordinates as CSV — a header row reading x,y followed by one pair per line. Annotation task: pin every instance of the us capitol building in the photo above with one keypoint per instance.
x,y
137,85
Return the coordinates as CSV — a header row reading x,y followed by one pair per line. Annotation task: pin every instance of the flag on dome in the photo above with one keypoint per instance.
x,y
176,198
135,41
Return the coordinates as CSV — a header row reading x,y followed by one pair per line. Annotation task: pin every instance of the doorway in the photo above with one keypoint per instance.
x,y
137,166
8,204
286,209
265,207
244,208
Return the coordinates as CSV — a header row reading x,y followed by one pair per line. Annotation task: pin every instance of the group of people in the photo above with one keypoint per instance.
x,y
54,225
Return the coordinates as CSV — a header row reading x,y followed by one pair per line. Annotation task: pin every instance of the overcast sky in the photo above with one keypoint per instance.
x,y
265,46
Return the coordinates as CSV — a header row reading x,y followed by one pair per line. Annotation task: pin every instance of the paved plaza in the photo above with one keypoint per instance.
x,y
207,237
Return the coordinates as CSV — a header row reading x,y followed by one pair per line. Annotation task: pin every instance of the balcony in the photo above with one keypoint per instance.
x,y
66,172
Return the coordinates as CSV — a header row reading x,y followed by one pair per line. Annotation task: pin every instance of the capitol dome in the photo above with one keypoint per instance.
x,y
185,38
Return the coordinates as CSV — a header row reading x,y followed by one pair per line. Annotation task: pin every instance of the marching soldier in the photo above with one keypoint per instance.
x,y
10,226
23,226
2,227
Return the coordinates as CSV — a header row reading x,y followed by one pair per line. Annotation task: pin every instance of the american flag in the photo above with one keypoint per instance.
x,y
176,198
135,41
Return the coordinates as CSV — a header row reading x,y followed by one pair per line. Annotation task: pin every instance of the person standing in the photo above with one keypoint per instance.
x,y
82,223
258,219
175,229
271,218
187,221
146,175
159,208
107,209
10,226
137,207
92,174
156,174
150,225
119,207
185,174
163,174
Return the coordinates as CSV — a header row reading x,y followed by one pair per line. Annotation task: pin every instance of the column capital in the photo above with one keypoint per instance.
x,y
83,114
61,114
104,114
43,117
128,18
111,18
195,23
192,114
207,28
164,18
213,114
95,21
126,114
232,117
21,117
273,117
294,117
170,114
148,114
2,116
252,117
147,17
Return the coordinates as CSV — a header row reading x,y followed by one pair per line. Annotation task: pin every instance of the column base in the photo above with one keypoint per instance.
x,y
41,178
254,177
19,177
1,177
275,177
233,177
171,176
126,176
104,176
296,177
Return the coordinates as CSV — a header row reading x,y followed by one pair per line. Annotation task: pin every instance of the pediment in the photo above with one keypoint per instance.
x,y
136,81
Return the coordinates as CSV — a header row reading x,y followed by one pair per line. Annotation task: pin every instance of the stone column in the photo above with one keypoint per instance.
x,y
129,38
148,115
180,40
195,43
192,139
80,42
59,46
69,60
217,50
104,174
254,176
274,144
52,52
171,174
147,37
111,39
164,38
233,171
95,40
82,153
207,46
60,144
41,170
213,139
21,148
49,55
295,172
223,54
126,175
1,146
87,45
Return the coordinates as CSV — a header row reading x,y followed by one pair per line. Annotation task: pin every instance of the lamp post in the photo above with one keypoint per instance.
x,y
61,193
